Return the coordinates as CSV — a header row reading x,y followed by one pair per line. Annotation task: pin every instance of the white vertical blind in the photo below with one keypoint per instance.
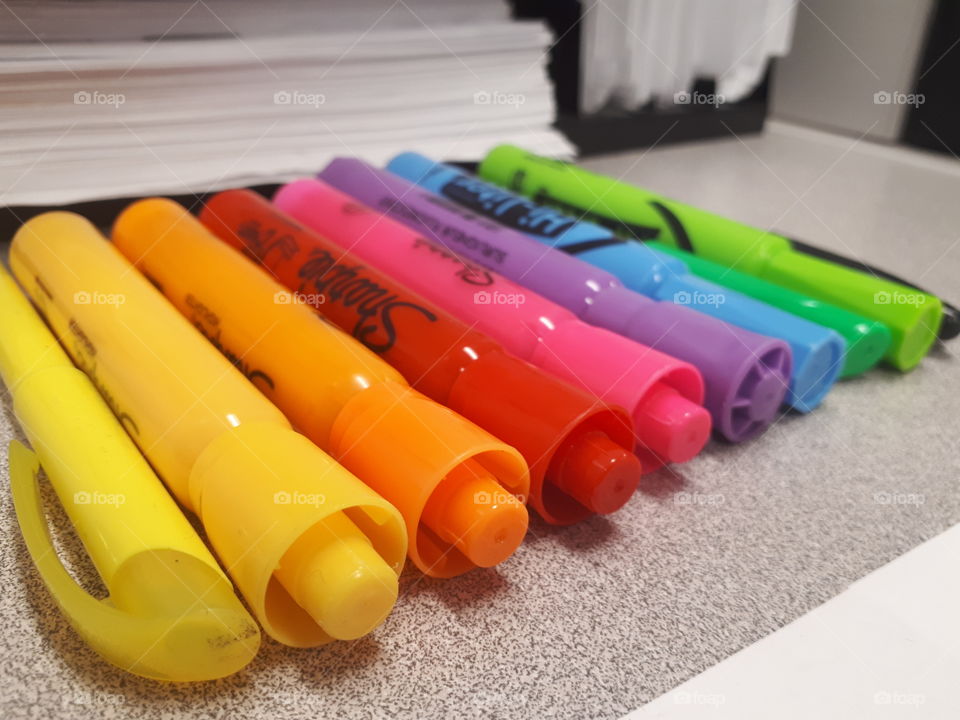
x,y
635,51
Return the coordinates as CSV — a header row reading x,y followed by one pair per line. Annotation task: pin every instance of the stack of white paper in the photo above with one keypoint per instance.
x,y
83,119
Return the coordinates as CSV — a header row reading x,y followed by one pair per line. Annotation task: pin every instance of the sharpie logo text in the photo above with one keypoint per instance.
x,y
208,323
323,275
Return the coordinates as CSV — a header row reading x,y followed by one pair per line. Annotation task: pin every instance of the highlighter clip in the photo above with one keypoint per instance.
x,y
183,632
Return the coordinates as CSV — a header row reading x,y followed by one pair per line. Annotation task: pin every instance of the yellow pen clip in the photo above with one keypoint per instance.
x,y
171,612
159,624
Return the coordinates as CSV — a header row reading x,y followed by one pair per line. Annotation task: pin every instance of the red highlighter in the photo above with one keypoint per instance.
x,y
578,448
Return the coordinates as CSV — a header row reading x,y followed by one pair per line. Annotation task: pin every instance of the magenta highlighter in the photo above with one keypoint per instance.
x,y
746,374
661,393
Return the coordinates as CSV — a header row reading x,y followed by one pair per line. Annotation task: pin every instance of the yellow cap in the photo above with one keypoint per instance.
x,y
339,579
274,507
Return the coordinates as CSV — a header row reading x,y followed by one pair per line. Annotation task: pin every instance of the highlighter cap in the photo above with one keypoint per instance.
x,y
506,395
867,343
259,488
369,435
170,615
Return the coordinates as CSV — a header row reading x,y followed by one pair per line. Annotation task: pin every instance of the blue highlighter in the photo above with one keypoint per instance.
x,y
818,352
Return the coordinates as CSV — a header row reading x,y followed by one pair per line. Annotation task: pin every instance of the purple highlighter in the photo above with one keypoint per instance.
x,y
746,374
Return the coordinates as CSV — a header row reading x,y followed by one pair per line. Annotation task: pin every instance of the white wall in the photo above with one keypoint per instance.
x,y
844,52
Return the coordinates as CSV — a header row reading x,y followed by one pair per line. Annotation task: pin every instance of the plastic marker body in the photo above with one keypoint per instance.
x,y
172,614
867,340
314,551
438,469
578,449
817,351
913,317
746,375
661,393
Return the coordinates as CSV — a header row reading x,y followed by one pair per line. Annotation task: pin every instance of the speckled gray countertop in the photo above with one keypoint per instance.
x,y
593,621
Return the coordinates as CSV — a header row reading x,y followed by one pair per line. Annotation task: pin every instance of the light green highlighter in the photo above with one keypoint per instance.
x,y
913,317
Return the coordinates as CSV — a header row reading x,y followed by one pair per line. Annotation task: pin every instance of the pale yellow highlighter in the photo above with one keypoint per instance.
x,y
171,613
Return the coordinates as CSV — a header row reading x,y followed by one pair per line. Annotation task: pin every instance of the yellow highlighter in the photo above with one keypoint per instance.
x,y
315,552
171,613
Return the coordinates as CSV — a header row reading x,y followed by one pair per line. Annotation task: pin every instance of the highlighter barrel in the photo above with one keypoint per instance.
x,y
172,614
455,365
913,317
600,259
221,448
728,358
335,391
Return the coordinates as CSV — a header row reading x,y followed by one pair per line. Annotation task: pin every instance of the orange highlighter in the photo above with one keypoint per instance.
x,y
456,485
315,552
578,448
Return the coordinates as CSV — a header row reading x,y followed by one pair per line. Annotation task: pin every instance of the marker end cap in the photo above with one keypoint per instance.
x,y
916,339
348,588
673,427
334,573
496,533
865,349
477,515
766,397
600,474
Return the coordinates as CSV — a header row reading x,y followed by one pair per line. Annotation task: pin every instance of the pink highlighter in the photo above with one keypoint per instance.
x,y
662,394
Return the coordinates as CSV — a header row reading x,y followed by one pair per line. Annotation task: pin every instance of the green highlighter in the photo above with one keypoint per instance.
x,y
913,317
867,340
